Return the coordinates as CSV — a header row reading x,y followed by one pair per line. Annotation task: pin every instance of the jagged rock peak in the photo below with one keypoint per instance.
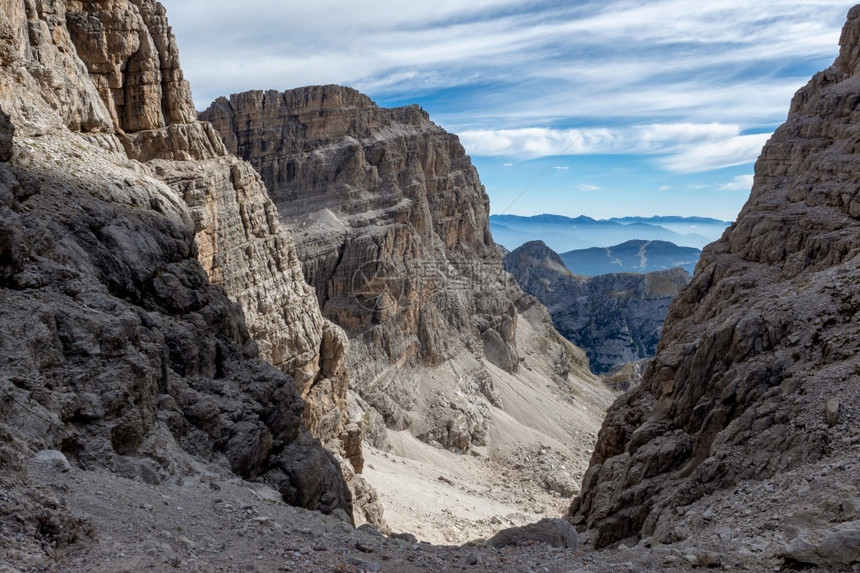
x,y
757,348
326,113
132,57
392,228
538,251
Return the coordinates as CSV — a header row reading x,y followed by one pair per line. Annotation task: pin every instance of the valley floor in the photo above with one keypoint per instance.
x,y
221,524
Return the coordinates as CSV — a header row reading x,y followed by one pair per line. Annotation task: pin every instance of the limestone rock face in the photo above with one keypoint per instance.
x,y
144,272
756,346
132,59
391,227
615,318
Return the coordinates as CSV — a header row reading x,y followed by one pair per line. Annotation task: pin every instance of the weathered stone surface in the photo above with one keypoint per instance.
x,y
391,226
121,347
7,132
37,54
553,532
54,460
133,61
132,58
831,411
839,547
762,338
615,318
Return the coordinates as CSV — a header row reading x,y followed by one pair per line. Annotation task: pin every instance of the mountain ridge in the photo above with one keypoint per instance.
x,y
563,233
636,256
616,318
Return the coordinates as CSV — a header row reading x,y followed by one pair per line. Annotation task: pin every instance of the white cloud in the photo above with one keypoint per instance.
x,y
739,183
508,164
561,167
683,147
586,188
664,188
733,151
661,60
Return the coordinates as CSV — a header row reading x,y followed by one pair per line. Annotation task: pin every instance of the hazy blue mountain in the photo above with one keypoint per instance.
x,y
616,318
562,233
635,256
711,229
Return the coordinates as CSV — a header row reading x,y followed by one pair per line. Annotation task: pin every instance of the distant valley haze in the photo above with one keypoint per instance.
x,y
606,109
563,234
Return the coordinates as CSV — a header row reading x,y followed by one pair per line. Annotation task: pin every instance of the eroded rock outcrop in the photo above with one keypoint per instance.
x,y
391,226
615,318
753,350
127,233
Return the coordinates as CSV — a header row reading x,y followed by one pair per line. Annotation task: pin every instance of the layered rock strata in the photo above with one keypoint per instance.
x,y
755,378
391,226
128,231
615,318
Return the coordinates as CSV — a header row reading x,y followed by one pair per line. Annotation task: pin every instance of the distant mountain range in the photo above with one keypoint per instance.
x,y
636,256
616,318
563,234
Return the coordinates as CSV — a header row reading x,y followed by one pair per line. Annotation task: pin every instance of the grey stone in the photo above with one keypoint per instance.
x,y
553,532
7,131
364,565
117,276
391,224
831,411
52,460
770,302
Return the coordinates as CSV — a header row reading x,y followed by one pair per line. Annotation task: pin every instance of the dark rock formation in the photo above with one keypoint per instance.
x,y
757,345
553,532
391,225
7,132
120,343
615,318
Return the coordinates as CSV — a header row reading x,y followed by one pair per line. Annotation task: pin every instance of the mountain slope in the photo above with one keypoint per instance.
x,y
615,318
631,257
391,224
754,386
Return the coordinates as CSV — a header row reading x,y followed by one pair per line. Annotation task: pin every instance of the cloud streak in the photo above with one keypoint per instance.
x,y
665,57
681,89
683,148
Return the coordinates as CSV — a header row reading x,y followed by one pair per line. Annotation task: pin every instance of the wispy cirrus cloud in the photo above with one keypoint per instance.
x,y
652,59
682,147
739,183
679,88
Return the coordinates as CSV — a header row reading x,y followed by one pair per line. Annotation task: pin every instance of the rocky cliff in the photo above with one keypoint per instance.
x,y
391,225
615,318
146,281
755,384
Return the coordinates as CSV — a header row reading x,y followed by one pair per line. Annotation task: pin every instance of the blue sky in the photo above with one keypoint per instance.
x,y
609,108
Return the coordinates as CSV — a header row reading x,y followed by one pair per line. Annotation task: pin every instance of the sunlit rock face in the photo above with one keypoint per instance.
x,y
760,352
391,226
